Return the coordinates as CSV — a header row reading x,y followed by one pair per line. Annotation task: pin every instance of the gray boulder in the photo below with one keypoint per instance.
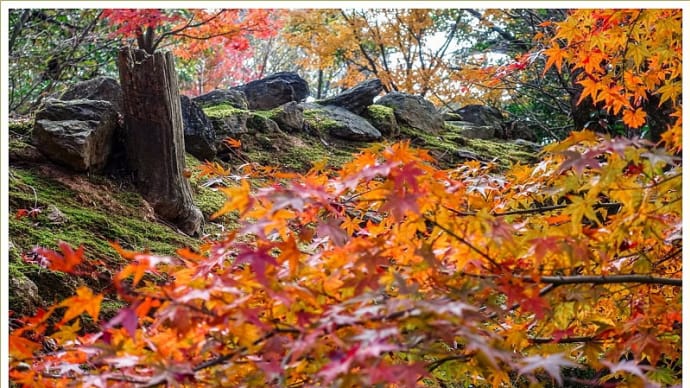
x,y
382,118
289,117
199,136
413,111
232,97
23,295
275,90
227,121
481,115
99,88
76,133
358,98
519,129
339,122
262,124
450,116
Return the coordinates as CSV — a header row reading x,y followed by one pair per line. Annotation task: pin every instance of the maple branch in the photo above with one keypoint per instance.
x,y
186,26
462,240
542,209
225,357
607,279
559,280
436,364
564,340
515,306
441,52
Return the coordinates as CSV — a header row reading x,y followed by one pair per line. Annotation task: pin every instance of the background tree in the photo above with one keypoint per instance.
x,y
394,45
239,61
516,82
50,47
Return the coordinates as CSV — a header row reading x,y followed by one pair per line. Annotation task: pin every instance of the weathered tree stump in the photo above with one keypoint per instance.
x,y
154,135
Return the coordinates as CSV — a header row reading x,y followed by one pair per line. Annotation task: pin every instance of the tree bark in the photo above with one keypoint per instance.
x,y
154,136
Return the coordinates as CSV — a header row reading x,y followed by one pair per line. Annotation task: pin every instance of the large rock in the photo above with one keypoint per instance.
x,y
481,115
339,122
199,136
289,117
275,90
358,98
232,97
413,111
23,295
227,121
519,129
77,133
262,124
99,88
382,118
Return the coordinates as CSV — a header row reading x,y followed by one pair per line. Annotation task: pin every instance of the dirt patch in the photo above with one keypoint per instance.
x,y
95,191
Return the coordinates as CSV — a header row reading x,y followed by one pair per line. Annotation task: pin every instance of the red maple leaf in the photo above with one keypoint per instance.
x,y
65,262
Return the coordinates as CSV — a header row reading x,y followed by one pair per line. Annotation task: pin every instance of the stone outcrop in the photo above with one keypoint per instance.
x,y
289,117
481,115
77,133
261,124
199,135
266,107
413,111
99,88
382,118
472,130
227,121
340,122
234,98
518,129
275,90
358,98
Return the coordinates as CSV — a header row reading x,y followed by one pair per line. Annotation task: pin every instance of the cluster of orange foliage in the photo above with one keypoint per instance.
x,y
392,271
624,55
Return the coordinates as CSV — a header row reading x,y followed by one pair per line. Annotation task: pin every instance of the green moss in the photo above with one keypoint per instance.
x,y
21,127
268,114
17,145
380,112
319,121
446,145
92,217
222,110
110,308
260,123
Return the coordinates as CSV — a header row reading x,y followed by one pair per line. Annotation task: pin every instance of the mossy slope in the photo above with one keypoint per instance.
x,y
92,211
80,211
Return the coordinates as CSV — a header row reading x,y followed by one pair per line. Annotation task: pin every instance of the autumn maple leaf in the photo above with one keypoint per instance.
x,y
551,364
65,262
84,302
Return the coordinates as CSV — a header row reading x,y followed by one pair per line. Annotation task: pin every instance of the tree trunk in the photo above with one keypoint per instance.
x,y
154,136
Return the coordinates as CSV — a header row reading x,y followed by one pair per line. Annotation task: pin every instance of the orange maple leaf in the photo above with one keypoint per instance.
x,y
232,143
84,302
634,119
